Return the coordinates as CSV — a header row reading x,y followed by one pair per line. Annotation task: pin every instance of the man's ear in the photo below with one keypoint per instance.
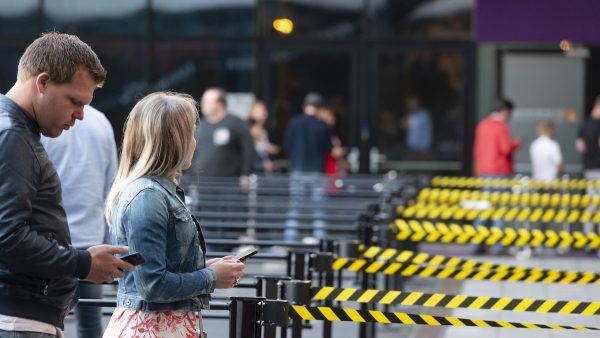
x,y
41,81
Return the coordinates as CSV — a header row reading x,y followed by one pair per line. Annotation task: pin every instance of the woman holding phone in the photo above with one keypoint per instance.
x,y
147,212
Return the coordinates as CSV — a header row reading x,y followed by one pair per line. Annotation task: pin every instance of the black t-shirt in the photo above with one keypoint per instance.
x,y
590,133
224,148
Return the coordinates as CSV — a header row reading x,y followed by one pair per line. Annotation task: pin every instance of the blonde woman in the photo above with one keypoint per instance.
x,y
147,212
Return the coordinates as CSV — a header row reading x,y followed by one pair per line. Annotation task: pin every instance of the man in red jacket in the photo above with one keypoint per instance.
x,y
494,147
493,154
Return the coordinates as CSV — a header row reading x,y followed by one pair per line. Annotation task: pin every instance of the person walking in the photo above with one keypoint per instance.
x,y
307,142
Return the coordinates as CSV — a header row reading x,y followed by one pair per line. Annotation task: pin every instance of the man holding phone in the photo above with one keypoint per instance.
x,y
56,78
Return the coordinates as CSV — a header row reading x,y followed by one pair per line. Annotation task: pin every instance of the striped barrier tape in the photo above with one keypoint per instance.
x,y
406,256
508,214
373,316
430,271
456,196
467,234
478,183
455,301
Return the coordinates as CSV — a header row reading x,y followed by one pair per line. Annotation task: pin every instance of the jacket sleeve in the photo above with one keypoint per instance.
x,y
146,222
22,249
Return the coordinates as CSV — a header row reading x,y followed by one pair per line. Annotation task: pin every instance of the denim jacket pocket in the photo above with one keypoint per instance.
x,y
185,229
187,236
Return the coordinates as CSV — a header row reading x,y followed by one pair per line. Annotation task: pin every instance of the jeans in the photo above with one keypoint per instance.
x,y
315,183
496,248
591,174
24,334
89,319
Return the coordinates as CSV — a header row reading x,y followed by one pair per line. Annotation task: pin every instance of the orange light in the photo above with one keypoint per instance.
x,y
283,25
565,45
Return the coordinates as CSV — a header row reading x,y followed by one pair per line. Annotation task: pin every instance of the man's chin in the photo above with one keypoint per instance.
x,y
52,133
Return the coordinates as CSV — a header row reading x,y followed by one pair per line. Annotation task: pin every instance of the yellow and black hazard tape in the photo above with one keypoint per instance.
x,y
406,256
455,301
455,212
478,183
455,196
416,231
431,271
373,316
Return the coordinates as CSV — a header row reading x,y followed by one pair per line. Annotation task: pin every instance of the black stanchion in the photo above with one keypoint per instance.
x,y
321,264
244,317
295,292
366,330
348,249
267,286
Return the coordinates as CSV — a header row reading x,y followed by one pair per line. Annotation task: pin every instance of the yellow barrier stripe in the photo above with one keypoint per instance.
x,y
332,313
389,297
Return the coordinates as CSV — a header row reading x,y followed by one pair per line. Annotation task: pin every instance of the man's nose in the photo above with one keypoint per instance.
x,y
78,114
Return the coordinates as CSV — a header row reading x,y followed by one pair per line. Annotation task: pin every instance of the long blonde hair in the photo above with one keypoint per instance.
x,y
157,137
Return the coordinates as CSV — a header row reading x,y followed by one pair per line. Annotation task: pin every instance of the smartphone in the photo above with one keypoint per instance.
x,y
242,256
135,258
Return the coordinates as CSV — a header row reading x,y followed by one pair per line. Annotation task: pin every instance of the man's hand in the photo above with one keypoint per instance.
x,y
105,266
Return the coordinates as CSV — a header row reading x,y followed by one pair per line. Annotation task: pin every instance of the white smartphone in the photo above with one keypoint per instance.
x,y
242,256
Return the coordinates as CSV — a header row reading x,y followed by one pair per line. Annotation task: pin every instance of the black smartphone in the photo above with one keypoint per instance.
x,y
242,256
135,258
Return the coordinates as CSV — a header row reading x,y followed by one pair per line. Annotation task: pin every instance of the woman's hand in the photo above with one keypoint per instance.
x,y
214,260
228,272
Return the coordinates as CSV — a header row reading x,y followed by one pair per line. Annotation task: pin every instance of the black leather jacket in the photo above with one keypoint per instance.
x,y
38,266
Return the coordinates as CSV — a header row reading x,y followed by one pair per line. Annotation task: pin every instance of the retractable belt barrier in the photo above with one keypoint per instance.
x,y
429,271
456,196
406,256
478,182
509,214
373,316
455,301
416,231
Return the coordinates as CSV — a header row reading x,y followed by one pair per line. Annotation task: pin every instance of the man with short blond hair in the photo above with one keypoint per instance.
x,y
39,268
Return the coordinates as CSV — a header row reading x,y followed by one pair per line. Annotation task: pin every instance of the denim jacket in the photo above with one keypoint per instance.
x,y
151,219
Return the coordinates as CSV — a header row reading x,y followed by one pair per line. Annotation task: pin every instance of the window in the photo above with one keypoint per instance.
x,y
226,18
106,17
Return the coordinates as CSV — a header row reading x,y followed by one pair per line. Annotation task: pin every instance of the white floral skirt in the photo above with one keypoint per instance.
x,y
127,323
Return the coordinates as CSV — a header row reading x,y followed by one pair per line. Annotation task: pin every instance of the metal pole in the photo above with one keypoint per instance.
x,y
296,292
299,273
244,317
366,330
270,291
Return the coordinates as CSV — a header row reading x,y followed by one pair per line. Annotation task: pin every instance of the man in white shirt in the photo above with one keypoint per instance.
x,y
546,158
85,159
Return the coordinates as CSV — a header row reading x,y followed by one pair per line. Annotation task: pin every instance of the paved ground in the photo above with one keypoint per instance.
x,y
220,328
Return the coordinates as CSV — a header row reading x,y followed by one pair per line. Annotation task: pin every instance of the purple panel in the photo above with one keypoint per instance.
x,y
538,20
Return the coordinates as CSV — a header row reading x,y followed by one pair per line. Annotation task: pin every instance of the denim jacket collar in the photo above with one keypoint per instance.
x,y
170,186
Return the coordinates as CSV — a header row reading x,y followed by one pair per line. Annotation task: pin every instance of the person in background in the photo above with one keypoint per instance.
x,y
546,157
147,212
419,136
494,147
493,155
225,147
57,76
264,149
86,161
307,141
335,164
588,144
